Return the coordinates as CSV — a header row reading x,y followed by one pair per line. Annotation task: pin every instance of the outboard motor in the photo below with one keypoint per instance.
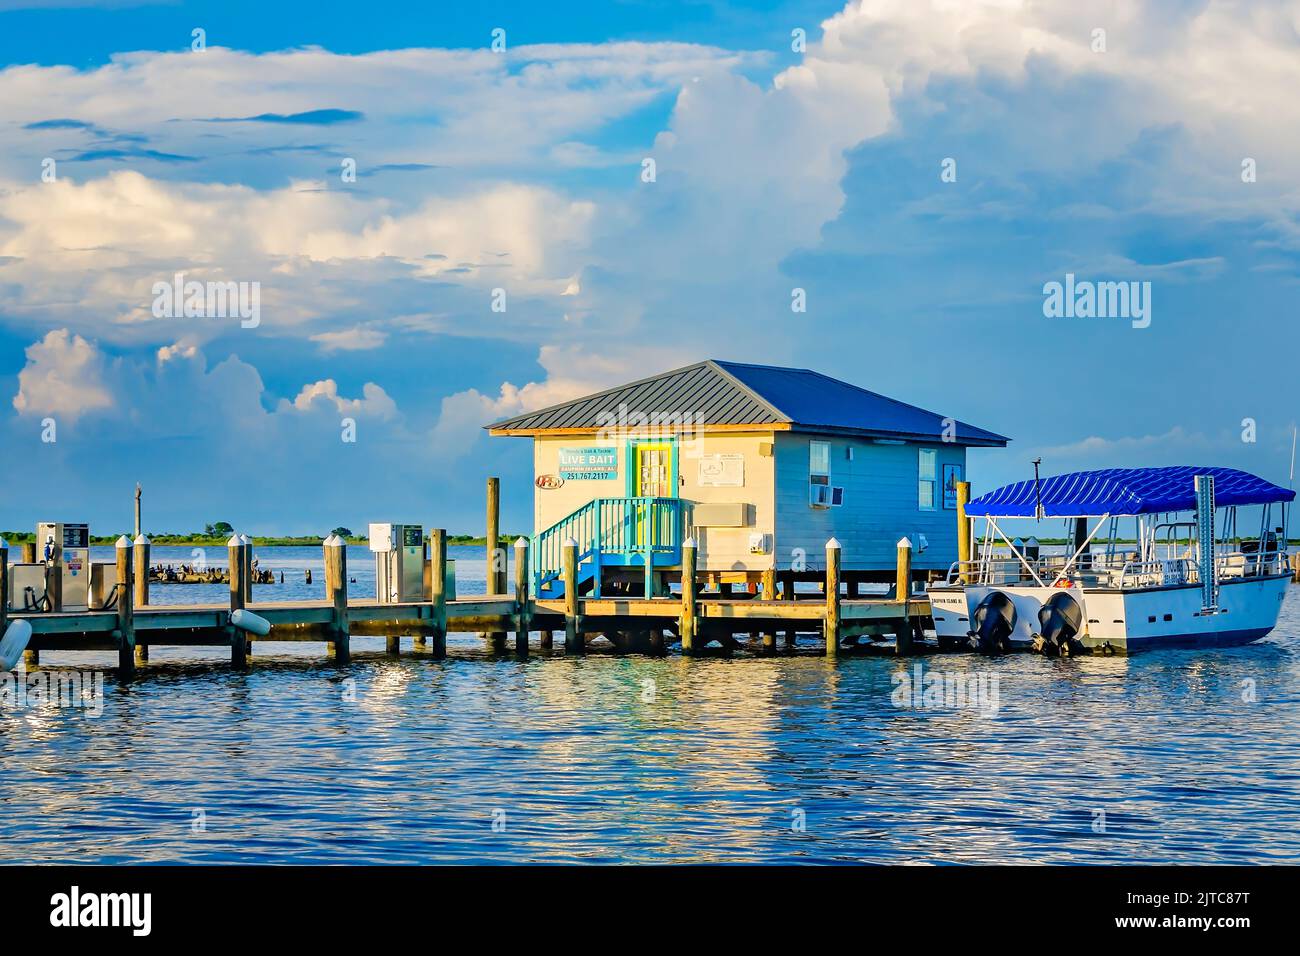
x,y
1059,621
993,623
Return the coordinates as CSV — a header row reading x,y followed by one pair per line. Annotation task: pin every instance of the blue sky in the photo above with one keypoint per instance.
x,y
521,170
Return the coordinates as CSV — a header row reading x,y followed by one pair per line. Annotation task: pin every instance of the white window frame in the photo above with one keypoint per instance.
x,y
932,481
819,477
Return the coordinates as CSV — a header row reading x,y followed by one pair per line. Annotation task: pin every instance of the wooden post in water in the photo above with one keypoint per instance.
x,y
573,641
523,618
125,613
140,559
769,594
903,591
336,587
689,621
496,555
4,585
833,554
237,553
963,531
29,552
438,588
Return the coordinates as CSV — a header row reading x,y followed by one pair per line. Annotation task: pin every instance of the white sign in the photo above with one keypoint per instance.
x,y
722,471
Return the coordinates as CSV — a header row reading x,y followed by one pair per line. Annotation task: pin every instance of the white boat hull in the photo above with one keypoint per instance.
x,y
1126,621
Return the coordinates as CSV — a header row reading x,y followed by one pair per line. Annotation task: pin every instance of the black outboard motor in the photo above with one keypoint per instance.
x,y
992,624
1060,620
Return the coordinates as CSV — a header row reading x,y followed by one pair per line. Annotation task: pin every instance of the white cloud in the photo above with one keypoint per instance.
x,y
356,339
374,402
63,377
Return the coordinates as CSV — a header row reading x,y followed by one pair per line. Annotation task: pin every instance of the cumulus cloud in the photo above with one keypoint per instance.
x,y
325,394
63,377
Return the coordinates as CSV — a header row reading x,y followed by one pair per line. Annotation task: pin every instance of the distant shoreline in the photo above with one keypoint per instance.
x,y
208,541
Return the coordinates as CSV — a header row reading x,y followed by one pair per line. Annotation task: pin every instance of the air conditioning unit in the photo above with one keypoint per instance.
x,y
758,543
819,496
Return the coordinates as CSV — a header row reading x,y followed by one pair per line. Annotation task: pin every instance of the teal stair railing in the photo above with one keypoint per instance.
x,y
610,532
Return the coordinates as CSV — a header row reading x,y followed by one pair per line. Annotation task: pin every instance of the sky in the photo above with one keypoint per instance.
x,y
921,169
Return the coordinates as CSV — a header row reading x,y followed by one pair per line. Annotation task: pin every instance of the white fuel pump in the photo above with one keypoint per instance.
x,y
65,550
400,554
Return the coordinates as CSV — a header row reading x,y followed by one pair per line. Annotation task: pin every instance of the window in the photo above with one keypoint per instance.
x,y
819,462
926,482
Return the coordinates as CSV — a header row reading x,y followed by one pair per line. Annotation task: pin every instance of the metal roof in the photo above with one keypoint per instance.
x,y
734,394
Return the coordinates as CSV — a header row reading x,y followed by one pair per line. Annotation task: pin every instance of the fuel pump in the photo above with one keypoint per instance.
x,y
65,550
399,551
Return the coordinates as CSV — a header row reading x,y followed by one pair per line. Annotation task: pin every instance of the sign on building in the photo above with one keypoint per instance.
x,y
588,464
722,471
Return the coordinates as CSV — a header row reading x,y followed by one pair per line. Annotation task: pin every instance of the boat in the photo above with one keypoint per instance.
x,y
1178,575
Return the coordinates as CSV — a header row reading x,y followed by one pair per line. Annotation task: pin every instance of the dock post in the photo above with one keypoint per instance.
x,y
125,612
769,594
496,555
29,552
438,588
336,586
963,531
4,585
689,620
903,591
247,584
833,554
141,560
523,616
573,641
237,552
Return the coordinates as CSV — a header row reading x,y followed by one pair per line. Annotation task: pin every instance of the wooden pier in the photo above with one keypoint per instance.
x,y
696,617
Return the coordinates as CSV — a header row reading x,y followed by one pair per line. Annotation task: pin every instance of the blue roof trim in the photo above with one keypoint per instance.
x,y
1124,491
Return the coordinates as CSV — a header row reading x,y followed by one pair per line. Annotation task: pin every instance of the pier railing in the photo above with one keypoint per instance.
x,y
628,532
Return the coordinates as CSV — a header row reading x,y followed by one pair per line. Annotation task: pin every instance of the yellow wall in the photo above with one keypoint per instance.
x,y
720,548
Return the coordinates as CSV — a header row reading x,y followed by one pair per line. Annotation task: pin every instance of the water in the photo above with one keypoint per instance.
x,y
609,759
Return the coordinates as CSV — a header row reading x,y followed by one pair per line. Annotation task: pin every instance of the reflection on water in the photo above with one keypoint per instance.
x,y
608,759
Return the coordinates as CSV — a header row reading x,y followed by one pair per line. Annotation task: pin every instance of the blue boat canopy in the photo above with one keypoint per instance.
x,y
1124,491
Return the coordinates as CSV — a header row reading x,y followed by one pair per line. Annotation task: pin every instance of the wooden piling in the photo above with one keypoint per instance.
x,y
963,530
496,555
237,554
689,619
438,588
768,593
903,592
4,585
142,547
832,625
523,619
787,594
125,612
573,640
336,587
29,552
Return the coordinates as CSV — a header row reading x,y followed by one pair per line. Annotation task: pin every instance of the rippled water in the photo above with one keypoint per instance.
x,y
609,759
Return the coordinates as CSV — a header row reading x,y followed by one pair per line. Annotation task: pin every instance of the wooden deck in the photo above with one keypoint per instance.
x,y
696,618
208,625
